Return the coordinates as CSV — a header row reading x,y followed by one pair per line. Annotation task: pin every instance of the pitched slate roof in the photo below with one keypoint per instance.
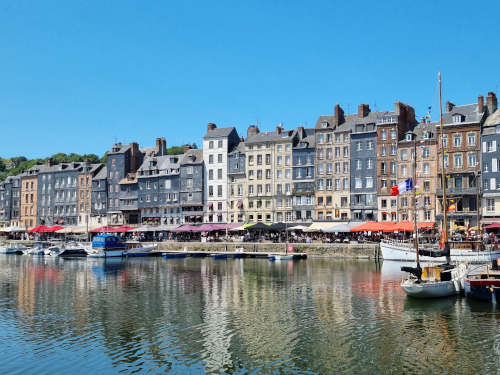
x,y
262,137
197,155
420,130
219,132
163,165
102,174
469,111
493,120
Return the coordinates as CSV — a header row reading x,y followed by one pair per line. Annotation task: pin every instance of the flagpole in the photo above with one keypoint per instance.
x,y
443,177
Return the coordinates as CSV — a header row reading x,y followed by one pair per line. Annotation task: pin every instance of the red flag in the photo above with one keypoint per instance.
x,y
441,240
395,190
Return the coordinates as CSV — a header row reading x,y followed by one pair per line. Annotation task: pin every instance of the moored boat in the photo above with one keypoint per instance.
x,y
280,257
174,255
403,251
137,249
484,283
13,249
106,245
219,256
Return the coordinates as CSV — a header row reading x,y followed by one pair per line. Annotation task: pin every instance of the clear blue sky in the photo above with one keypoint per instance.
x,y
77,75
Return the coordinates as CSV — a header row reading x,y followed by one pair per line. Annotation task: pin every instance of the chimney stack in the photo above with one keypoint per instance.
x,y
363,110
301,132
449,106
134,156
158,147
252,130
480,104
187,148
339,115
279,129
48,162
491,102
211,126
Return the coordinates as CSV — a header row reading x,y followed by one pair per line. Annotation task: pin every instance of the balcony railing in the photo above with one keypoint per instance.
x,y
458,191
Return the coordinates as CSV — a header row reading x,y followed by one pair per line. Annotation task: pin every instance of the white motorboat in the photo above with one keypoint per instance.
x,y
436,281
137,249
404,251
13,249
104,253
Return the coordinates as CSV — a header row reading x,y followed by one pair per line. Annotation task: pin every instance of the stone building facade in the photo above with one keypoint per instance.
x,y
191,189
217,143
462,130
29,185
391,128
99,206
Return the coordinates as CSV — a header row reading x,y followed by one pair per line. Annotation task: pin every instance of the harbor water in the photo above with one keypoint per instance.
x,y
234,316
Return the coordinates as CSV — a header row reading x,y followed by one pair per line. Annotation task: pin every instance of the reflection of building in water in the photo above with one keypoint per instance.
x,y
26,296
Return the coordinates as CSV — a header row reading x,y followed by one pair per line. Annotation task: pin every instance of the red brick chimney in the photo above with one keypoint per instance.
x,y
211,126
339,115
449,106
480,104
363,110
491,102
158,147
164,146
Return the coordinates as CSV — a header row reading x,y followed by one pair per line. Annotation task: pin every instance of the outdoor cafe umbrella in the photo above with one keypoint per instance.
x,y
55,228
39,229
259,226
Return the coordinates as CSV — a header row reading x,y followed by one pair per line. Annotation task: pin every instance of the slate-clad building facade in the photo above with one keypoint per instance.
x,y
99,206
303,176
191,186
236,174
490,158
363,167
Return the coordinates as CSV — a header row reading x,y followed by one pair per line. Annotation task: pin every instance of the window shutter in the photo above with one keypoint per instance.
x,y
484,146
494,165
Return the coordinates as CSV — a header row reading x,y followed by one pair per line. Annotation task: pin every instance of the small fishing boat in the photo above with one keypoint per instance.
x,y
106,245
137,249
484,283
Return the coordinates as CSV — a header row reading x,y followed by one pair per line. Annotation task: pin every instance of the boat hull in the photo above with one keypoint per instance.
x,y
407,253
140,251
484,290
437,289
106,254
280,257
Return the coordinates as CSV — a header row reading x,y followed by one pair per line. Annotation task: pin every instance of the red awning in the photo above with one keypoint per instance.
x,y
426,225
404,226
492,226
54,228
39,229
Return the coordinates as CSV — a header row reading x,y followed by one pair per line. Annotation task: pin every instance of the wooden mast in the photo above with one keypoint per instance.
x,y
443,177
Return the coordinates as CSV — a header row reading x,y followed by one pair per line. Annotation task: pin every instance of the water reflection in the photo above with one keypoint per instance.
x,y
200,315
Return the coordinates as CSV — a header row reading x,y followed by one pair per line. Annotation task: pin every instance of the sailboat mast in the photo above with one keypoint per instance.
x,y
443,177
415,228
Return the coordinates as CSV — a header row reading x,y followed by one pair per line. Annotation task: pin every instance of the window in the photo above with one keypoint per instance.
x,y
444,139
219,190
383,151
279,160
279,174
457,119
358,146
457,140
446,161
404,154
383,135
259,174
268,159
369,182
219,174
357,183
427,169
287,173
210,174
393,167
369,145
425,152
210,159
287,160
288,146
404,170
250,159
279,148
471,160
490,205
259,159
346,167
219,158
383,168
220,144
393,134
211,144
346,184
383,184
268,174
250,189
369,164
321,138
490,146
359,164
457,161
427,185
471,139
346,151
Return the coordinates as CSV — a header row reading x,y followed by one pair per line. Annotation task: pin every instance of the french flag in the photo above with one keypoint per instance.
x,y
402,187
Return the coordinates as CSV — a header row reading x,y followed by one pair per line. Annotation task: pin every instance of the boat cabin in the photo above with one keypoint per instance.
x,y
107,242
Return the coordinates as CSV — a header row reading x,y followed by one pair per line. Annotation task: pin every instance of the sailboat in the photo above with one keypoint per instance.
x,y
433,281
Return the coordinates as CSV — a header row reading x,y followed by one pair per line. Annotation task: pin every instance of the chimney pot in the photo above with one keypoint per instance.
x,y
491,102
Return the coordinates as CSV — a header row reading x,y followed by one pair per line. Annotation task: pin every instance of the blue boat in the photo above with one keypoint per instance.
x,y
107,245
174,255
219,256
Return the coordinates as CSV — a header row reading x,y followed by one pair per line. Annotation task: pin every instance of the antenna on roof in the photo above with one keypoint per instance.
x,y
375,107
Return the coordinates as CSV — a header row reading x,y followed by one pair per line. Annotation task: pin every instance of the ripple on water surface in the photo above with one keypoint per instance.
x,y
247,316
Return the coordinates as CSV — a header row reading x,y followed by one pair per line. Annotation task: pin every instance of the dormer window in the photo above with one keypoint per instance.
x,y
324,124
457,119
427,135
408,137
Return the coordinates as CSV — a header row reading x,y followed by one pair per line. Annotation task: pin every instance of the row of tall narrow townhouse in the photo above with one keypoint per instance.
x,y
10,202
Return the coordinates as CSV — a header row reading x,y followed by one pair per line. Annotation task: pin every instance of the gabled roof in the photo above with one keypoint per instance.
x,y
420,130
102,174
